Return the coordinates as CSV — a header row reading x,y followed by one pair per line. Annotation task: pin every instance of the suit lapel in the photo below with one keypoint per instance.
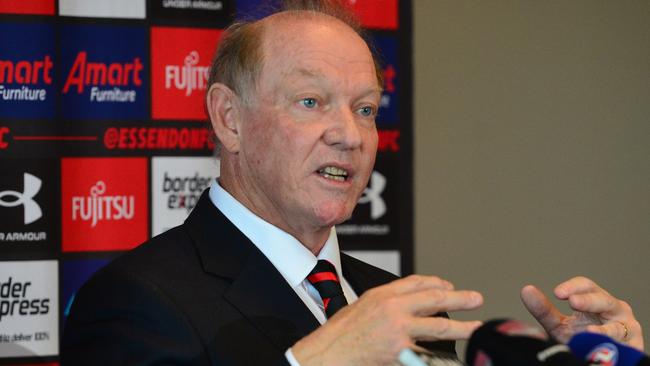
x,y
265,298
258,290
362,276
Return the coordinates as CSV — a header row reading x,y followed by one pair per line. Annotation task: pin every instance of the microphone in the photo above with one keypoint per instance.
x,y
602,350
505,342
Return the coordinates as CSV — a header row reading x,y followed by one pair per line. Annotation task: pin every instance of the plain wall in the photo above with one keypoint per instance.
x,y
532,147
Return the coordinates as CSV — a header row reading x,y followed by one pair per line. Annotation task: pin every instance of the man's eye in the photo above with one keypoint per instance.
x,y
366,111
309,102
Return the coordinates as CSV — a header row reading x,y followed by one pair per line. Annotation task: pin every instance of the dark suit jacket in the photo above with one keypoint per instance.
x,y
199,294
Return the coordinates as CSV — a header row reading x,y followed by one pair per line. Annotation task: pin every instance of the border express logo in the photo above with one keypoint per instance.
x,y
177,184
104,203
180,59
388,108
103,73
29,301
26,70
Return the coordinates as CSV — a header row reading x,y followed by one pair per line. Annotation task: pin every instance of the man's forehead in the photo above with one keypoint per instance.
x,y
294,48
317,75
292,24
297,16
285,36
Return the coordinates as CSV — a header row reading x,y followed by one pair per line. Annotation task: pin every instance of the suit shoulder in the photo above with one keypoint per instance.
x,y
172,245
140,303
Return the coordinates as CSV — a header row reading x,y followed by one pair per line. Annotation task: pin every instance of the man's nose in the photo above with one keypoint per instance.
x,y
343,131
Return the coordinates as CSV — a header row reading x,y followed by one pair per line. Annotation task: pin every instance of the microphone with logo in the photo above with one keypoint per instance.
x,y
505,342
602,350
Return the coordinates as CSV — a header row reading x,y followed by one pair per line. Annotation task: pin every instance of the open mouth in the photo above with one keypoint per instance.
x,y
334,173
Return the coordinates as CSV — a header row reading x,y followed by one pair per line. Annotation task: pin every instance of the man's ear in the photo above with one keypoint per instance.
x,y
224,109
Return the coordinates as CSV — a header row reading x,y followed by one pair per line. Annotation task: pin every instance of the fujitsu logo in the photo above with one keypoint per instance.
x,y
372,195
31,186
84,72
98,207
188,77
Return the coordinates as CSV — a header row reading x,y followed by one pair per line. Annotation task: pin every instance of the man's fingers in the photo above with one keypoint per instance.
x,y
540,307
429,302
436,328
600,303
414,283
574,286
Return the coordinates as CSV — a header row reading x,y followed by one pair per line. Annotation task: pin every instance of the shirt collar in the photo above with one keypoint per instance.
x,y
292,259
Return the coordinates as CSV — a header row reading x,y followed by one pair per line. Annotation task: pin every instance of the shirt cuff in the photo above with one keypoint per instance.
x,y
292,360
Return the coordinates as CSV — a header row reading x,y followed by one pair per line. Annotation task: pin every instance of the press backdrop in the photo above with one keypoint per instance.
x,y
103,144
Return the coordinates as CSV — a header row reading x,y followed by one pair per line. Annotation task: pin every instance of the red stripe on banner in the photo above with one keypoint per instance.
x,y
45,7
322,276
55,138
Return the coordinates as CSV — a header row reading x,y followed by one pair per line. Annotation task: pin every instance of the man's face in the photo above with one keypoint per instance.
x,y
309,138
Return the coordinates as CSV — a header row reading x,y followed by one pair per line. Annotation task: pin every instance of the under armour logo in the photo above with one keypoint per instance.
x,y
31,186
372,195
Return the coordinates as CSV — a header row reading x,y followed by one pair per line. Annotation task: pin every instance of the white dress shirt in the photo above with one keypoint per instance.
x,y
292,259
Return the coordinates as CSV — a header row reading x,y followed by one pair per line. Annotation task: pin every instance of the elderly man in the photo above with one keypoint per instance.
x,y
254,276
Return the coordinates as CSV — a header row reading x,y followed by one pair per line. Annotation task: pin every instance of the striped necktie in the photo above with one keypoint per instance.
x,y
323,277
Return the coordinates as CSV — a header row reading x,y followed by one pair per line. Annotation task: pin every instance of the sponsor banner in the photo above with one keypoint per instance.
x,y
74,274
376,219
158,138
373,14
4,137
29,322
388,141
176,185
29,191
180,58
388,260
27,70
256,9
104,203
387,52
134,9
103,72
38,7
105,138
376,14
210,12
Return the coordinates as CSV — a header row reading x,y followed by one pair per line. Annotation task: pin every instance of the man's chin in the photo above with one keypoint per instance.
x,y
332,216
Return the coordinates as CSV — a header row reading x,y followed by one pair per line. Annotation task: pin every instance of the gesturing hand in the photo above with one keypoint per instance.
x,y
594,310
387,319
